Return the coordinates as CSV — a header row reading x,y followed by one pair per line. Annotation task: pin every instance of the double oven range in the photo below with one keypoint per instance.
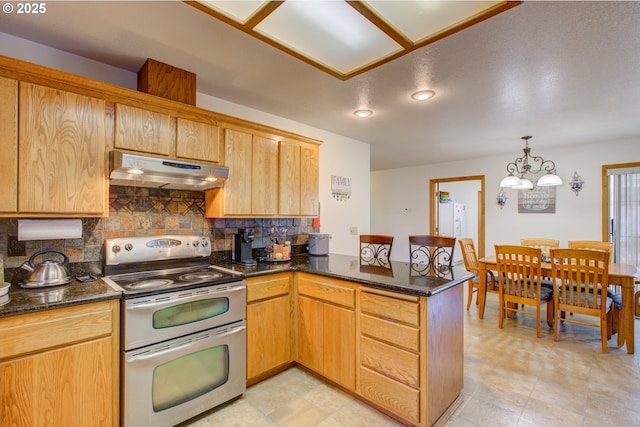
x,y
183,328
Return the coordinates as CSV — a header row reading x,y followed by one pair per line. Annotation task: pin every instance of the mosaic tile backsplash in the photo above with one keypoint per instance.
x,y
147,211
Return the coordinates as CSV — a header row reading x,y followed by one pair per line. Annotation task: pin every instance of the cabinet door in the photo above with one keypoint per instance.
x,y
142,130
268,335
264,181
289,174
339,355
71,386
310,333
62,145
309,165
197,141
238,157
9,145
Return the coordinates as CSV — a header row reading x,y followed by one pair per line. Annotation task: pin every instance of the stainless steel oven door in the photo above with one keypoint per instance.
x,y
170,382
160,317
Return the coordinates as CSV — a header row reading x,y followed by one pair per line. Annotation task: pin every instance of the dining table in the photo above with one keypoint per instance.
x,y
622,275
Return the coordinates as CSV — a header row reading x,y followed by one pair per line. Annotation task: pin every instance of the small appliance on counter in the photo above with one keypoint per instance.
x,y
319,244
47,273
242,243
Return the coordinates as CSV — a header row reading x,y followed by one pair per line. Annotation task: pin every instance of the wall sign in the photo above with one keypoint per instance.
x,y
340,187
538,200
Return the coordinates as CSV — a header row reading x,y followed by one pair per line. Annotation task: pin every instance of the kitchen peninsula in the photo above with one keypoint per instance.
x,y
390,336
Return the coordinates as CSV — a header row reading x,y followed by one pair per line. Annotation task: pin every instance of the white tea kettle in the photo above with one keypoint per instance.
x,y
47,273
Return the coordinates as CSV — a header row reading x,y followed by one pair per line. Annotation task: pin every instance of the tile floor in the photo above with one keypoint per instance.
x,y
512,378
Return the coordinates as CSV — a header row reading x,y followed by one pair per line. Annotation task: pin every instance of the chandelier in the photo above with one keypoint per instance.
x,y
525,167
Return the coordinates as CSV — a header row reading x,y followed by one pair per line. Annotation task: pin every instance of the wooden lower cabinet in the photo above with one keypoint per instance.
x,y
326,327
269,327
390,371
61,367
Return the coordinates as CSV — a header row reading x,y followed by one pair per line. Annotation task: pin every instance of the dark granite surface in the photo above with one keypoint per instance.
x,y
20,300
399,277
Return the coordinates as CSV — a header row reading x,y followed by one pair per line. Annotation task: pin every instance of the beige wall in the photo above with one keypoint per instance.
x,y
575,218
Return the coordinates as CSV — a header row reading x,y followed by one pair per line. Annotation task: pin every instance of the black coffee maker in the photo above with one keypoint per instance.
x,y
242,242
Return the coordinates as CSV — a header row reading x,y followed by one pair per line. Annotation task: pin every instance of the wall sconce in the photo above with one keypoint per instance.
x,y
501,198
576,183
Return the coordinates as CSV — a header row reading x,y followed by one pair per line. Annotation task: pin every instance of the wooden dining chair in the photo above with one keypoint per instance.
x,y
519,272
596,245
581,277
431,255
375,249
545,245
471,264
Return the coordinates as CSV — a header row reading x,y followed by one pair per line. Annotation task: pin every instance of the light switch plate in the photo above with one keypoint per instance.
x,y
353,231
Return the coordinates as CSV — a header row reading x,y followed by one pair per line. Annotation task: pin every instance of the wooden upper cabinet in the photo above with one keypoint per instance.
x,y
9,145
197,141
298,178
264,180
252,186
61,152
309,179
142,130
289,203
237,187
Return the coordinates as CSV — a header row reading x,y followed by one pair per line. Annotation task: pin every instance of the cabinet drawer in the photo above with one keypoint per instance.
x,y
28,333
390,361
395,333
327,290
268,287
390,308
398,398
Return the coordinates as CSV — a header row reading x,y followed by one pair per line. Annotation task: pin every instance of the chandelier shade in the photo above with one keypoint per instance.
x,y
510,181
525,184
528,166
549,180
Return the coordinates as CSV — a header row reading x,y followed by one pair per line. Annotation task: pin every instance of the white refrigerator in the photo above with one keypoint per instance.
x,y
453,222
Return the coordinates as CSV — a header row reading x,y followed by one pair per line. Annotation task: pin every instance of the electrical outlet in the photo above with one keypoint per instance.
x,y
353,231
15,247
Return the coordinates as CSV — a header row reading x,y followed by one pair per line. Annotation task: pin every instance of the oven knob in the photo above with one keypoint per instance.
x,y
128,246
196,244
115,248
205,243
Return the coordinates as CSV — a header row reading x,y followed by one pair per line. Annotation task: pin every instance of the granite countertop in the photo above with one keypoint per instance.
x,y
397,277
20,300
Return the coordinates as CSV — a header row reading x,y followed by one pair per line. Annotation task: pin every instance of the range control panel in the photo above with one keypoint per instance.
x,y
126,250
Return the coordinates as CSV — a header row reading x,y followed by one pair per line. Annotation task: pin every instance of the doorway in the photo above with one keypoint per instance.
x,y
437,186
621,211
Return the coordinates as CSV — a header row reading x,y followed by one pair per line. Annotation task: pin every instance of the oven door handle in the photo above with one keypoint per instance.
x,y
227,290
182,347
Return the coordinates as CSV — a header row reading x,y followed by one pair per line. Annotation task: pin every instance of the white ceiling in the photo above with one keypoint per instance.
x,y
567,73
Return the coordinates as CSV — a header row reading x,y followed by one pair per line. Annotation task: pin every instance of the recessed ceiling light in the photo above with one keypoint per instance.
x,y
363,113
423,95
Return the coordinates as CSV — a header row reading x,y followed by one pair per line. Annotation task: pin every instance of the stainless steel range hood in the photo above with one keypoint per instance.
x,y
155,172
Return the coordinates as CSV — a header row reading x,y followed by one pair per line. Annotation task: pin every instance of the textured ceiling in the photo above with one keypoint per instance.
x,y
565,72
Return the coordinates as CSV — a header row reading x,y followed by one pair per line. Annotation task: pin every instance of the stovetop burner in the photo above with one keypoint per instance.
x,y
200,276
152,284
